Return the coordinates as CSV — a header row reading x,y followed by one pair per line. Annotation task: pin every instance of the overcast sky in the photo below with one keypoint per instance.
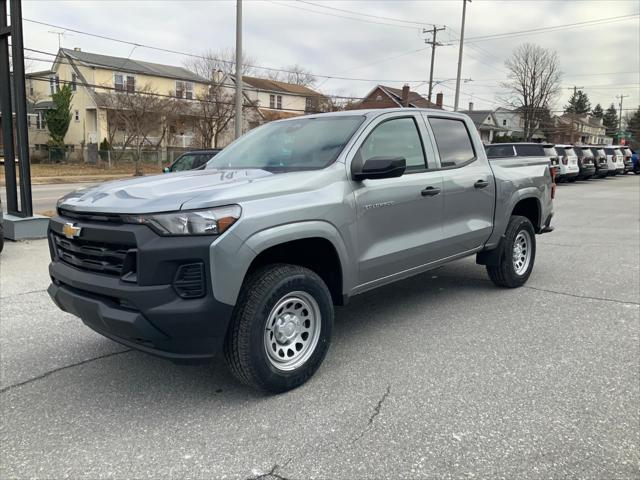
x,y
603,58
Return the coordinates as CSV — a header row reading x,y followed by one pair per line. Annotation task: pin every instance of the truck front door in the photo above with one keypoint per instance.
x,y
399,220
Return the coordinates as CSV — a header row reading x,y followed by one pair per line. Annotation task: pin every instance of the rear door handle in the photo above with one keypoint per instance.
x,y
481,184
430,192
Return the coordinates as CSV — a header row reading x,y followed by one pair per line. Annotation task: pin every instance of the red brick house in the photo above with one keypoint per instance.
x,y
388,97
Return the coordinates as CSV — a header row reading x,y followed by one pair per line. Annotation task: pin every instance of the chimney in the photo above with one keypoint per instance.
x,y
471,106
77,49
439,100
405,95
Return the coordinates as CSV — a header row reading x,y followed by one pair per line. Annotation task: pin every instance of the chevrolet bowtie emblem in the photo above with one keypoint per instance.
x,y
70,230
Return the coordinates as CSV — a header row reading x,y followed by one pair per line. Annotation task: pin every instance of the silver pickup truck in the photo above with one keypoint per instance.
x,y
250,255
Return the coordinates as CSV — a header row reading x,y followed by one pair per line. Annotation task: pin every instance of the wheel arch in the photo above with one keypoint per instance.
x,y
316,245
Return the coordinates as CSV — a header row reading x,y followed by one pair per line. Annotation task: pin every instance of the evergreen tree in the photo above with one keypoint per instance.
x,y
578,103
58,118
633,125
597,111
610,120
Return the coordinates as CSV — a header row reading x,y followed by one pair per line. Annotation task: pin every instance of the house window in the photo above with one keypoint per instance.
x,y
40,123
504,123
308,107
184,89
54,84
123,82
74,82
275,102
76,115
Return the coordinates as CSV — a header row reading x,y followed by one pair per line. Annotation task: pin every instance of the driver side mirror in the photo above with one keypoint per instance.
x,y
166,170
381,167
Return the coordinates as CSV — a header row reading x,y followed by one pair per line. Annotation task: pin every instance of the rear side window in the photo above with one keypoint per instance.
x,y
453,141
609,151
530,151
395,138
561,151
499,151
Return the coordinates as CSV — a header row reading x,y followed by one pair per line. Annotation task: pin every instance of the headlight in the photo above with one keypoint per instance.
x,y
212,221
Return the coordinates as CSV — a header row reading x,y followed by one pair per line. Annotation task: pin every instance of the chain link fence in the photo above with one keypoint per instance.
x,y
115,157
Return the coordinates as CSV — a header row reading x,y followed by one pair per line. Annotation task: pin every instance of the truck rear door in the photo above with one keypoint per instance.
x,y
469,186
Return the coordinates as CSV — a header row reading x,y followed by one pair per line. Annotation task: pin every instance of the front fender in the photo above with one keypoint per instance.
x,y
231,257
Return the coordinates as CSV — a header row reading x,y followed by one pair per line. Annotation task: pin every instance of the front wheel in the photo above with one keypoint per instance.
x,y
281,328
517,255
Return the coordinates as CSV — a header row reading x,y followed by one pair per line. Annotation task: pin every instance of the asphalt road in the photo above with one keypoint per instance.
x,y
439,376
45,196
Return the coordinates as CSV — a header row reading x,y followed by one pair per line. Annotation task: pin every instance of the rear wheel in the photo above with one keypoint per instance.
x,y
517,255
281,328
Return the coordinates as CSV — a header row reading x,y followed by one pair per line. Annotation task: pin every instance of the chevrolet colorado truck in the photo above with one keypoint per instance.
x,y
250,255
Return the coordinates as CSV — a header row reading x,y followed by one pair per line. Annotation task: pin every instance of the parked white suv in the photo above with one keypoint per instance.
x,y
569,169
615,161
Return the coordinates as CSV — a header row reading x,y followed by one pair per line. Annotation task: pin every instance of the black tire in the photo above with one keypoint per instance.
x,y
573,179
504,273
245,349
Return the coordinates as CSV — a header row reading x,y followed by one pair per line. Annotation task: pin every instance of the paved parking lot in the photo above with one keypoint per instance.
x,y
439,376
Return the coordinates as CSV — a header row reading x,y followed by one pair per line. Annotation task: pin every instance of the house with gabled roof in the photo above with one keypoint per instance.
x,y
382,96
94,76
277,100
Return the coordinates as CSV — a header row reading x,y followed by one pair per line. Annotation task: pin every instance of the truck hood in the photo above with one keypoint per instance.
x,y
158,193
189,190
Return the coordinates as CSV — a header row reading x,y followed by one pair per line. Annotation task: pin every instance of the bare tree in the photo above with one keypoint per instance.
x,y
223,61
213,111
138,119
295,74
533,81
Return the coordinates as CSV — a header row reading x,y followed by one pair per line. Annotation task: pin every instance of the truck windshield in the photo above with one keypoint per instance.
x,y
300,144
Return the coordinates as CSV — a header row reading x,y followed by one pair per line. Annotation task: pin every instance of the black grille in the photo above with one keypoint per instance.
x,y
94,256
189,281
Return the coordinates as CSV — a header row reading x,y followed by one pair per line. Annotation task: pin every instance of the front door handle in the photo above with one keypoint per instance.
x,y
430,192
481,184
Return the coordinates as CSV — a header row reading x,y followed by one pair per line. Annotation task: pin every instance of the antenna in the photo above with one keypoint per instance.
x,y
60,35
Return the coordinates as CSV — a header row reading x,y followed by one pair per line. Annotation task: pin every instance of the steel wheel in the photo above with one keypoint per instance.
x,y
292,331
521,252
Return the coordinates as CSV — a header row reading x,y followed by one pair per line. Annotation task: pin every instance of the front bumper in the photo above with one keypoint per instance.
x,y
147,314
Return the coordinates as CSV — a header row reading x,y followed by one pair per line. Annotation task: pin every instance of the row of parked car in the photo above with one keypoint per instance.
x,y
574,162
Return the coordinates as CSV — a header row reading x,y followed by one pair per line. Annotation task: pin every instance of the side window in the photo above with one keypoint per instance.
x,y
395,138
453,141
530,150
499,151
183,163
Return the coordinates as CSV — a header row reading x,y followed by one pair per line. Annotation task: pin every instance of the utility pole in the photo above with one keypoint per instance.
x,y
238,119
433,44
621,97
573,114
464,13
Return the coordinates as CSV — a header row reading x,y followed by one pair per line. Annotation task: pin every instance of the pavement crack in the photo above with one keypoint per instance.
x,y
51,372
23,293
587,297
271,474
372,417
376,410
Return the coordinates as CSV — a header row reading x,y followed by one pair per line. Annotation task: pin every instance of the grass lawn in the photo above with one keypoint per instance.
x,y
70,172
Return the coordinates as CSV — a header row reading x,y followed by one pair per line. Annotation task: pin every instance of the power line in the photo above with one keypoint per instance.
x,y
413,22
342,16
567,26
329,77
